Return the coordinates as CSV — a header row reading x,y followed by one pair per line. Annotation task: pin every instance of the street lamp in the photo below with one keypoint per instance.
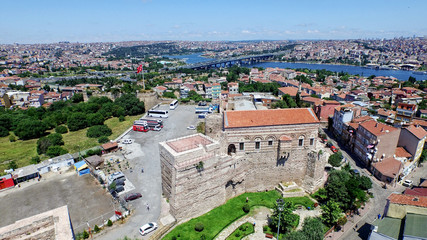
x,y
280,209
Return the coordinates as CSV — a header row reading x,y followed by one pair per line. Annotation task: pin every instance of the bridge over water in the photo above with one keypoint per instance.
x,y
227,62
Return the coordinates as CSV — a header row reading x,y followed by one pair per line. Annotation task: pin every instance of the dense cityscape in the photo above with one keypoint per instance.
x,y
299,126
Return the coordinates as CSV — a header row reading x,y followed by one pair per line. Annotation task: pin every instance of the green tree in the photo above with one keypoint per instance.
x,y
54,151
169,95
335,159
29,129
76,98
3,132
130,104
76,121
55,139
365,183
288,220
103,139
331,212
98,131
35,160
42,145
61,129
95,119
313,228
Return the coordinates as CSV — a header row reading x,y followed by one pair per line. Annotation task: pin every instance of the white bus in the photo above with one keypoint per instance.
x,y
173,104
158,113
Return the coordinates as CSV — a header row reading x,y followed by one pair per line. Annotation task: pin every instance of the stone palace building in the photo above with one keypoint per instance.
x,y
243,151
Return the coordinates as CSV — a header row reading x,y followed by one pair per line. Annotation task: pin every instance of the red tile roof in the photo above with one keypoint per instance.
x,y
389,167
416,192
292,91
377,128
109,145
401,152
418,132
403,199
271,117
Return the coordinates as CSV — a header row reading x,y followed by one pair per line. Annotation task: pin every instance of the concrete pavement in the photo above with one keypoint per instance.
x,y
144,153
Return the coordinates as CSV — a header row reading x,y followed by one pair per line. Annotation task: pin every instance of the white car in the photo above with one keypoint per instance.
x,y
156,128
147,228
191,127
407,183
127,141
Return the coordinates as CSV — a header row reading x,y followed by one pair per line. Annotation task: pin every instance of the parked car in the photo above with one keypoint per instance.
x,y
119,188
132,196
191,127
334,149
127,141
156,128
120,181
147,228
407,183
355,172
202,104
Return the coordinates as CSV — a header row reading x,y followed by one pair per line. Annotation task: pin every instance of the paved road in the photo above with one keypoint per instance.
x,y
380,194
144,153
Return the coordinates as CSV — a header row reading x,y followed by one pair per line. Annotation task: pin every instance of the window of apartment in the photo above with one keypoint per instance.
x,y
300,142
241,146
311,141
270,142
257,145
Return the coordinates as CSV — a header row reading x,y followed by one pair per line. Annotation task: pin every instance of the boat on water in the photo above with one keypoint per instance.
x,y
419,73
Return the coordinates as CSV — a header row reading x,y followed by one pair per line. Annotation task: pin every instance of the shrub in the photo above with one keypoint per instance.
x,y
54,151
85,234
122,118
199,227
237,234
61,129
246,208
35,160
109,223
342,221
264,228
98,131
12,138
174,238
103,139
96,228
12,165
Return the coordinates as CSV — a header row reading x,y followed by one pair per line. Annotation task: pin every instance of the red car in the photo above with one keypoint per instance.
x,y
132,196
334,149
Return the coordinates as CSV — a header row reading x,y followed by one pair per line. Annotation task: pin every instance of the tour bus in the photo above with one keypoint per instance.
x,y
173,104
158,113
152,122
140,126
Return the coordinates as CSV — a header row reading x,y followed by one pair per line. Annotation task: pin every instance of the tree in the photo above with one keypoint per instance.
x,y
288,220
298,100
29,129
35,160
76,121
95,119
331,212
365,183
61,129
169,95
55,139
313,228
76,98
3,132
103,139
335,159
130,104
54,151
98,131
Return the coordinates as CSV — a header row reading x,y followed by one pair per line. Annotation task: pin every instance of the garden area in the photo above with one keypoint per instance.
x,y
32,135
209,225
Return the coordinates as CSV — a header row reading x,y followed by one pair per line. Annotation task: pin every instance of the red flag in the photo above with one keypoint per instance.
x,y
139,69
118,213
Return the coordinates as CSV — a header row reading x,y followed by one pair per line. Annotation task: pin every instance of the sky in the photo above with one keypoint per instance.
x,y
48,21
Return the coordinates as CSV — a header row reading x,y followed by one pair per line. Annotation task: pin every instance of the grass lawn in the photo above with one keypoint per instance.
x,y
219,218
242,231
22,151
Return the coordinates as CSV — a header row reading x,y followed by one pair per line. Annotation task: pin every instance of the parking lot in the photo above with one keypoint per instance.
x,y
87,201
144,153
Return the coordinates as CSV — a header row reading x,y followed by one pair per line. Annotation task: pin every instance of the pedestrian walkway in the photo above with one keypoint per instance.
x,y
352,223
258,216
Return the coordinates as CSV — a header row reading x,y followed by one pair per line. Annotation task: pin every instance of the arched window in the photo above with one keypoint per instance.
x,y
231,149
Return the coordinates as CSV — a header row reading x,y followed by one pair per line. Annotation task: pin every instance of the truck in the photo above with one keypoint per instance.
x,y
152,122
207,109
